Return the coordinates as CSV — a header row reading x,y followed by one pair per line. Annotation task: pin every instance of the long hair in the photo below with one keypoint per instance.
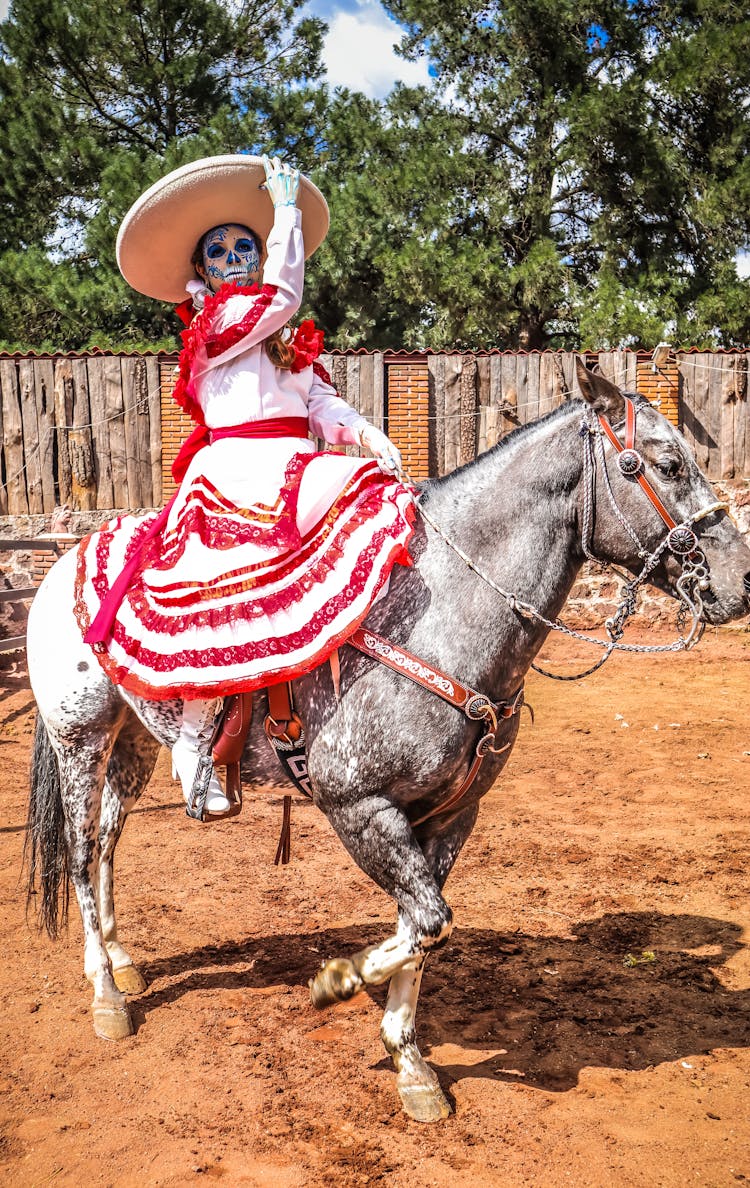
x,y
278,345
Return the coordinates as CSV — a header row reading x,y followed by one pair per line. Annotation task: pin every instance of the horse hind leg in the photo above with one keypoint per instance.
x,y
129,769
68,774
82,771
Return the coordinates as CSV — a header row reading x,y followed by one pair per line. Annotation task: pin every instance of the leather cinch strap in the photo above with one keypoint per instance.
x,y
473,704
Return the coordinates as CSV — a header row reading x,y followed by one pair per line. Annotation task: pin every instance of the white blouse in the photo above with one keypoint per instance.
x,y
242,384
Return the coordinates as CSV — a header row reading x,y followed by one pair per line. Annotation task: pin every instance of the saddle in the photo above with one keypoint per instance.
x,y
284,731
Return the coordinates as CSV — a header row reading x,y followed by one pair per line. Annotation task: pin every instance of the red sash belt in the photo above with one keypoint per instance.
x,y
103,624
203,436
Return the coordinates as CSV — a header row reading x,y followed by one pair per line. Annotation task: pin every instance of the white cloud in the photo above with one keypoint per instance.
x,y
358,52
742,264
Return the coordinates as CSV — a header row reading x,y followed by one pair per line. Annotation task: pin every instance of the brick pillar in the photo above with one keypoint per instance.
x,y
662,384
407,404
175,425
44,557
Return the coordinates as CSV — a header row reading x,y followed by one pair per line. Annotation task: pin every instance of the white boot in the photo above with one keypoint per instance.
x,y
193,744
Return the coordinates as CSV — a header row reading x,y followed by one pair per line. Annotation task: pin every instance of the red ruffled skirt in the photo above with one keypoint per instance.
x,y
272,555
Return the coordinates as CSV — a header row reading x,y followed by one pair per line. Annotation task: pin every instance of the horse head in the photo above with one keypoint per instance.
x,y
648,507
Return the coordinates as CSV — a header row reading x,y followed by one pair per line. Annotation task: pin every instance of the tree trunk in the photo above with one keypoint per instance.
x,y
531,333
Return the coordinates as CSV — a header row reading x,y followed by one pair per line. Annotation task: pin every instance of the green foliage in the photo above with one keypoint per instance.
x,y
578,174
96,102
647,957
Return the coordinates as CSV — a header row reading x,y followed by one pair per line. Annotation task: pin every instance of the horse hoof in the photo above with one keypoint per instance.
x,y
424,1103
129,980
335,982
111,1022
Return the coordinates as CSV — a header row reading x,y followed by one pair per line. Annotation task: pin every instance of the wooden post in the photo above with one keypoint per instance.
x,y
115,425
81,441
15,468
154,427
484,389
100,432
63,419
467,449
435,413
135,397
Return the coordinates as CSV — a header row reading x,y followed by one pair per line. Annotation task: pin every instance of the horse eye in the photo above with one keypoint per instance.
x,y
669,467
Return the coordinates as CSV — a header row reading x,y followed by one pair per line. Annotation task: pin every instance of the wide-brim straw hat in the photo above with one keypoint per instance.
x,y
160,232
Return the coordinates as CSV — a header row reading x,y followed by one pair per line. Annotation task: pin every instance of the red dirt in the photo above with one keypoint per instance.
x,y
607,837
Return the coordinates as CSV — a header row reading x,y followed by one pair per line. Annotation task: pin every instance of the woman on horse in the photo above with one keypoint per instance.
x,y
270,553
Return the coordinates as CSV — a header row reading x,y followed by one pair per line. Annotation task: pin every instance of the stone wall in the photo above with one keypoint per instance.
x,y
23,567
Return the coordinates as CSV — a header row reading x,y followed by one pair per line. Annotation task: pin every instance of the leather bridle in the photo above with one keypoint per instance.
x,y
681,539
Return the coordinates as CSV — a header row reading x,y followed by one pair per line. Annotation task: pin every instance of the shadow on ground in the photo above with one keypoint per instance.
x,y
533,1009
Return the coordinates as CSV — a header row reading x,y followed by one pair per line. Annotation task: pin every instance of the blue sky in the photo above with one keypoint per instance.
x,y
358,52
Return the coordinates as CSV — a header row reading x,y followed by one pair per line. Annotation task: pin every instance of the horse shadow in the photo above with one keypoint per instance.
x,y
626,991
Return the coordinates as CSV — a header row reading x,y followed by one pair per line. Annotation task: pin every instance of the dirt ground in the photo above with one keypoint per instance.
x,y
590,1019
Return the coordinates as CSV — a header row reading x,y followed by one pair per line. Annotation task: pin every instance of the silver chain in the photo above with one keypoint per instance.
x,y
695,573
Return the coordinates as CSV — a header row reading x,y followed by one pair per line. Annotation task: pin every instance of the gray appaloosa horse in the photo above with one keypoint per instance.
x,y
387,751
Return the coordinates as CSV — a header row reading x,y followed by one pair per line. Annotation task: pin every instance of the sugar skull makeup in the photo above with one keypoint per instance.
x,y
230,256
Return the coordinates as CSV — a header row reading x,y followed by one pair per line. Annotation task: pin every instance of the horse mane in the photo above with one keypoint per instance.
x,y
505,443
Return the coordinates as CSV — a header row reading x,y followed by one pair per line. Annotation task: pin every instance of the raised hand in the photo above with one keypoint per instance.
x,y
282,181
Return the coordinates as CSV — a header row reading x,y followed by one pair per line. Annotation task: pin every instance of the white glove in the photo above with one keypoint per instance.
x,y
382,449
282,182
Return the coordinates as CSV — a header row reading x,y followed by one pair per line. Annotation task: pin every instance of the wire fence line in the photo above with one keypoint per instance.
x,y
88,431
80,430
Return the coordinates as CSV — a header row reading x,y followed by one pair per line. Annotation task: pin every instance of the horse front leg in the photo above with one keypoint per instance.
x,y
379,837
82,772
417,1084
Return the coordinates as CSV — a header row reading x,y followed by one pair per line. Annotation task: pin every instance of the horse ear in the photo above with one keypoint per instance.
x,y
603,396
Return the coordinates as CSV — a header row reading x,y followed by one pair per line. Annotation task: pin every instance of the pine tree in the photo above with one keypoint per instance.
x,y
96,102
578,174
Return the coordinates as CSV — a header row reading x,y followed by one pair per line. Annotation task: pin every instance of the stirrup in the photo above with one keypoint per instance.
x,y
196,806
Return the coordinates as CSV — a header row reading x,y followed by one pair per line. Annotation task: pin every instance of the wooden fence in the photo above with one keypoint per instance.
x,y
98,432
82,431
475,400
714,412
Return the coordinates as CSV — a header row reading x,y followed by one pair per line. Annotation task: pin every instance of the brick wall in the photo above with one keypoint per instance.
x,y
662,385
406,382
407,405
43,557
175,425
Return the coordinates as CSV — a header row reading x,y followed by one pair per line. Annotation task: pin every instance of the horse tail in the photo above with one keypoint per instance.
x,y
45,849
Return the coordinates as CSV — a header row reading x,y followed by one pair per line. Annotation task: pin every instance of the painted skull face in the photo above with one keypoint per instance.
x,y
230,256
